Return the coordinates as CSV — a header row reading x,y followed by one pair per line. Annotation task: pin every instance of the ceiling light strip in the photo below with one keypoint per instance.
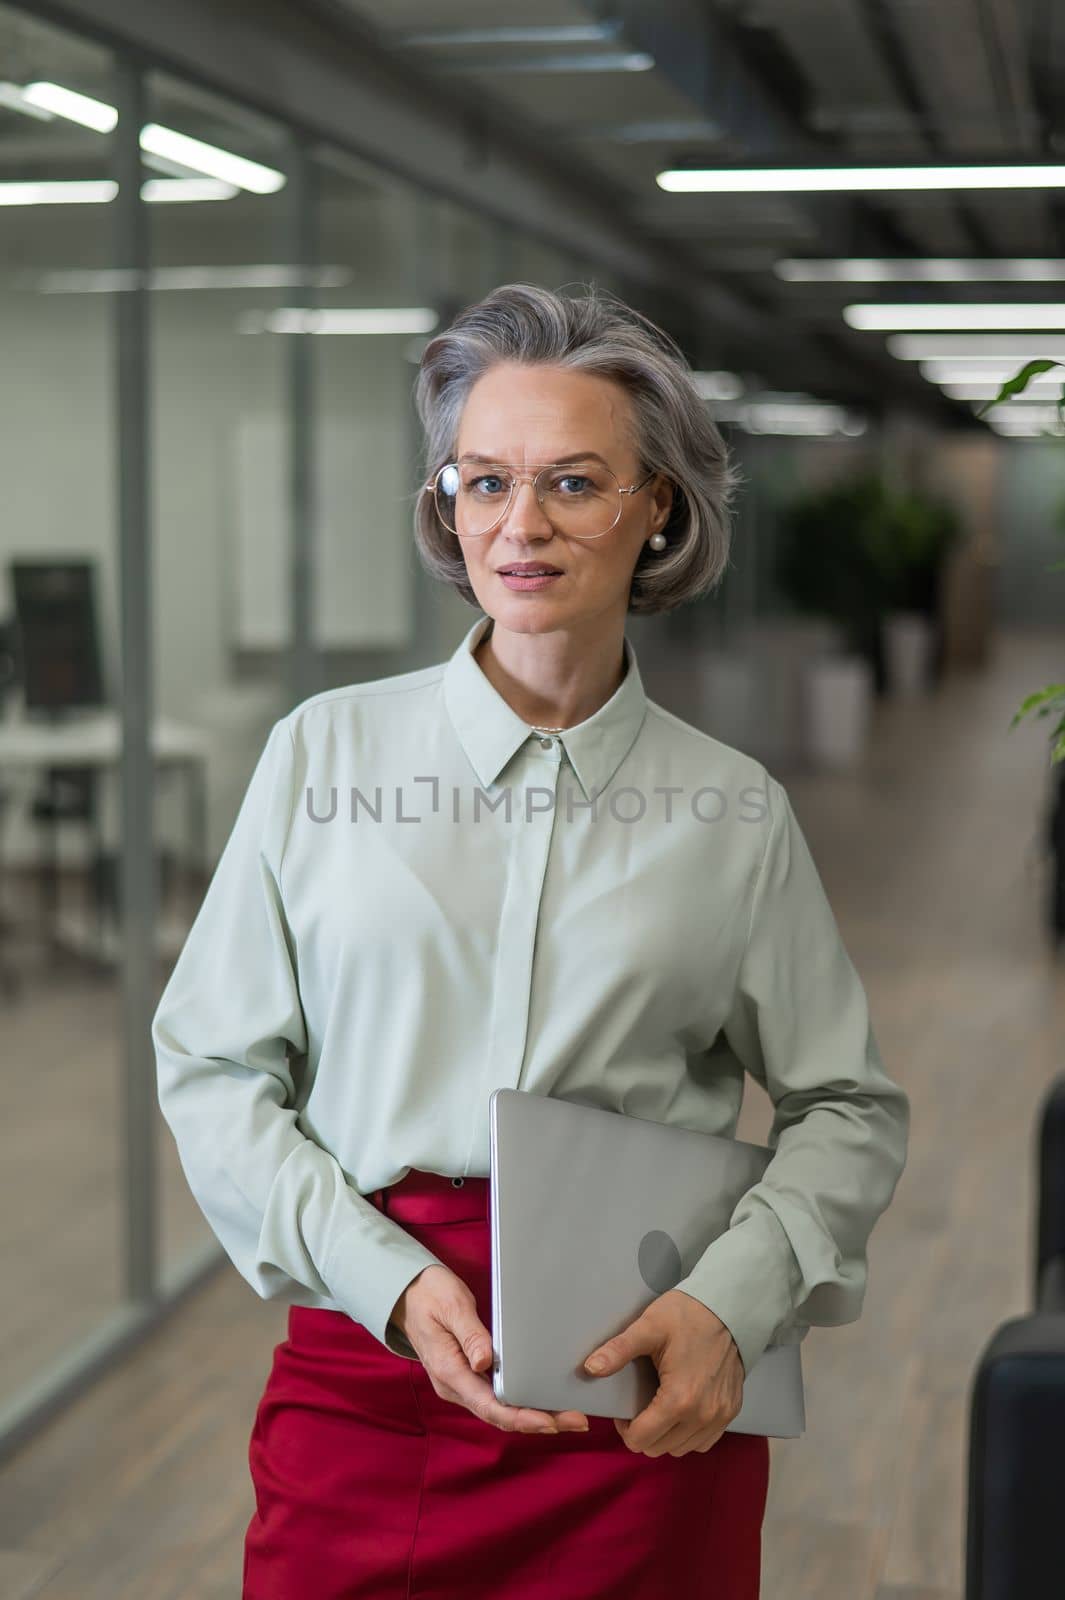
x,y
859,180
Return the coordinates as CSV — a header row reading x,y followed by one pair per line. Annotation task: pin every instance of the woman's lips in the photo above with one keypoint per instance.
x,y
520,580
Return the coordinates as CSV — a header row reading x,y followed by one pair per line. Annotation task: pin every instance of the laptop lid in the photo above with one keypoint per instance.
x,y
595,1213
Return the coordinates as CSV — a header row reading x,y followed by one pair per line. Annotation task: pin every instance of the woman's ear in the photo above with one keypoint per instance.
x,y
663,495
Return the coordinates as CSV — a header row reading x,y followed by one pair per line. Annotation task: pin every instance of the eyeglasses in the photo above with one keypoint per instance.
x,y
583,501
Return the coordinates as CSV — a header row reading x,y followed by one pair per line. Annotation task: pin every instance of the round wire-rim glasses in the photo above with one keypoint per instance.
x,y
434,488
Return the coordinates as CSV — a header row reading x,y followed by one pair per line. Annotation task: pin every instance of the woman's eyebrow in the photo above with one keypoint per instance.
x,y
560,461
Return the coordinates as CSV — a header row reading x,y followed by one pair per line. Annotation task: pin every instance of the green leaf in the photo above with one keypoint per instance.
x,y
1039,697
1043,703
1020,381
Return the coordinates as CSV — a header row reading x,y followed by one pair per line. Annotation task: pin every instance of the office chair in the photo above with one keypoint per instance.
x,y
67,794
60,672
1014,1542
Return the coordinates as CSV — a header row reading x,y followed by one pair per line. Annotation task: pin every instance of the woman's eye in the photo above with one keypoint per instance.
x,y
574,478
492,480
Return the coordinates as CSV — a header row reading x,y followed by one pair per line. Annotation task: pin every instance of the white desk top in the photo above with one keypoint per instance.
x,y
92,738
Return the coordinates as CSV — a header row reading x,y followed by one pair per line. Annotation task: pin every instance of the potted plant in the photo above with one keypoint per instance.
x,y
830,562
919,533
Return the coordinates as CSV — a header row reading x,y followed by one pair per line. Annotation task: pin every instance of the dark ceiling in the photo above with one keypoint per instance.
x,y
773,81
601,98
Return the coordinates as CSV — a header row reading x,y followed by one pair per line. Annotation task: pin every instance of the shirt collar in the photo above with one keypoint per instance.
x,y
490,731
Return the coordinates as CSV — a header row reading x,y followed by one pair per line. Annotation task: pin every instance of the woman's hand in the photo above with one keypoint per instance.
x,y
700,1387
437,1312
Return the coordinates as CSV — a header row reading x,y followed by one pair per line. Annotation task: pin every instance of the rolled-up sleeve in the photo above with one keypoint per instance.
x,y
226,1031
794,1253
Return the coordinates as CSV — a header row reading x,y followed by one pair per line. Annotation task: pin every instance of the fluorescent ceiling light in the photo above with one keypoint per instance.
x,y
718,385
298,319
191,156
857,180
99,191
969,390
974,346
598,61
796,415
80,108
1029,423
995,372
113,280
545,33
87,192
169,169
920,270
252,277
174,190
210,160
898,318
13,96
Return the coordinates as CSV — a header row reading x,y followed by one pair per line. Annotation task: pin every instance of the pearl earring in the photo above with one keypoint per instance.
x,y
657,541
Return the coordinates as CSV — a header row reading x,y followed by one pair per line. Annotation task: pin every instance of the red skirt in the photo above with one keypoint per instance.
x,y
369,1486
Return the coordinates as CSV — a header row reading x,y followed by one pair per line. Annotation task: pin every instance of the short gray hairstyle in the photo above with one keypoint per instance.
x,y
595,332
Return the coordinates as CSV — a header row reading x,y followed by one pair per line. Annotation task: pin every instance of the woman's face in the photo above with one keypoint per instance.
x,y
526,417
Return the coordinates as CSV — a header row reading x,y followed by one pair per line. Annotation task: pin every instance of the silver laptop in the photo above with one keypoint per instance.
x,y
595,1213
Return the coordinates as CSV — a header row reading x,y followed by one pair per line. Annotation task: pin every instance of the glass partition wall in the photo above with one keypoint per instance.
x,y
209,324
222,238
61,1236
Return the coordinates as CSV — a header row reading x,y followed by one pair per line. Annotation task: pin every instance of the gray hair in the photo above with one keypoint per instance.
x,y
675,434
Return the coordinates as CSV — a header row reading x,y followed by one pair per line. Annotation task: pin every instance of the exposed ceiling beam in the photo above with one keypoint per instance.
x,y
966,62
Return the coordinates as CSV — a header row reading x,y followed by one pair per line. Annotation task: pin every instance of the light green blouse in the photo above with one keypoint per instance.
x,y
422,900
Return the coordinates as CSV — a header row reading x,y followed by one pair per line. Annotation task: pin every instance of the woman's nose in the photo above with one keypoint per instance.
x,y
525,514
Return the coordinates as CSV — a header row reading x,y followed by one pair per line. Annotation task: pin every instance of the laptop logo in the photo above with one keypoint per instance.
x,y
658,1260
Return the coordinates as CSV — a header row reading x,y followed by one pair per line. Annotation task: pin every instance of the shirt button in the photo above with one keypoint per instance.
x,y
457,1183
547,743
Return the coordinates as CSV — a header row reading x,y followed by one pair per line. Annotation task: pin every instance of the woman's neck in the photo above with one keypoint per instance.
x,y
545,681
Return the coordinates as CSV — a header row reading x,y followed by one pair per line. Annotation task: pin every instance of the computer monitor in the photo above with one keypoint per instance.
x,y
59,647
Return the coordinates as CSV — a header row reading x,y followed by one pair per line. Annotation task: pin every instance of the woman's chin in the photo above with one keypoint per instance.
x,y
528,612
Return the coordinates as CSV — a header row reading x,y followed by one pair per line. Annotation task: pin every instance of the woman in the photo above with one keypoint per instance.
x,y
513,868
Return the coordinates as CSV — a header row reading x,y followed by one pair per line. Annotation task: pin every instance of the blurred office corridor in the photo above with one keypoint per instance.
x,y
932,855
229,235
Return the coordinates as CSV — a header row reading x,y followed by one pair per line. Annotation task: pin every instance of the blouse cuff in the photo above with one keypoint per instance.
x,y
367,1279
749,1278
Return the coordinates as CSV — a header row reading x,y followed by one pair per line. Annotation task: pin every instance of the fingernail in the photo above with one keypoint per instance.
x,y
595,1364
550,1428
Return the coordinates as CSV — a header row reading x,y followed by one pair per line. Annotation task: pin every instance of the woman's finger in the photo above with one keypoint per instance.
x,y
476,1394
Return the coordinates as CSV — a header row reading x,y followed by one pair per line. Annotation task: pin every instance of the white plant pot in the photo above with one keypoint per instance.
x,y
728,699
907,651
839,701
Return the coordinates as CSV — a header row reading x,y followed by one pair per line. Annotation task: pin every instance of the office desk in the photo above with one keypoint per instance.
x,y
93,740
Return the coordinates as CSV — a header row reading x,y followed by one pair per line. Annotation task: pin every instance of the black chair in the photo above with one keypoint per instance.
x,y
1015,1533
1055,842
66,794
61,673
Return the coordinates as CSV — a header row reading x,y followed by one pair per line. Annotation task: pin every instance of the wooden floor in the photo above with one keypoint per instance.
x,y
932,855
